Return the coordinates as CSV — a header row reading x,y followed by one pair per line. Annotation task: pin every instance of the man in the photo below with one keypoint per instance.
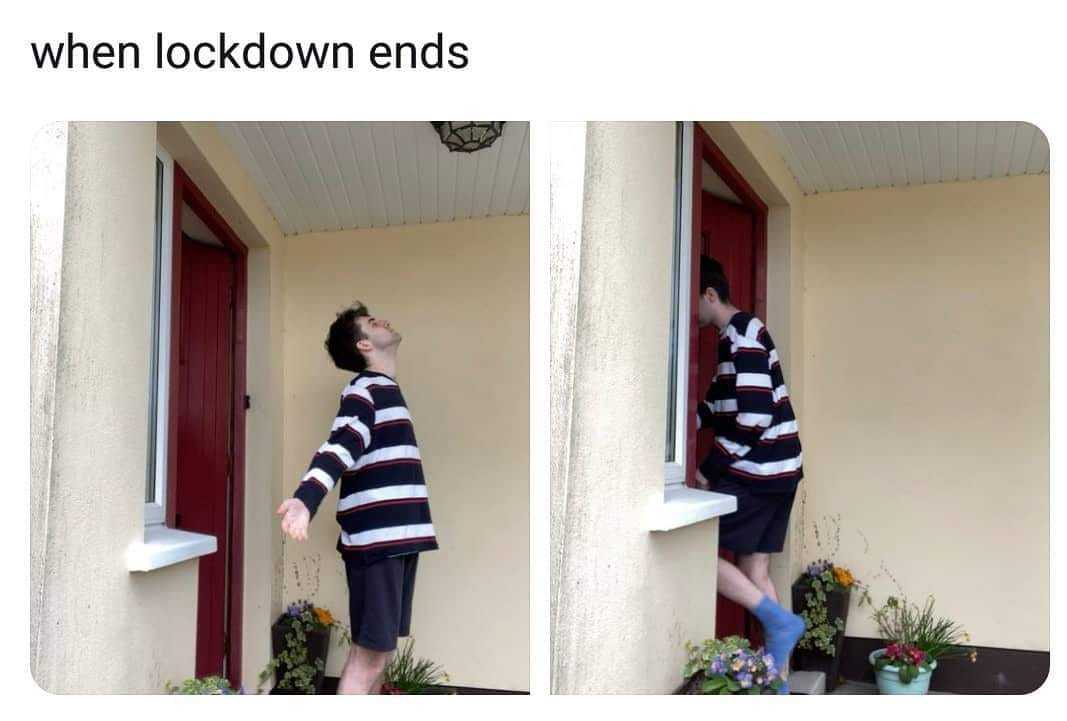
x,y
383,508
756,457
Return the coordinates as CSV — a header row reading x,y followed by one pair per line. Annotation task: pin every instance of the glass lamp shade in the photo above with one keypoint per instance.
x,y
467,136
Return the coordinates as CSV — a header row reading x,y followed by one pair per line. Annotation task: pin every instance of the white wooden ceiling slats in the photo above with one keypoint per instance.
x,y
833,156
321,176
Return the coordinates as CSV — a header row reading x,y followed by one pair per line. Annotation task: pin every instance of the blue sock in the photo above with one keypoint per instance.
x,y
781,630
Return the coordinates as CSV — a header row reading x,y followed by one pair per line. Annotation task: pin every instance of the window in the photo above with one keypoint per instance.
x,y
678,351
159,358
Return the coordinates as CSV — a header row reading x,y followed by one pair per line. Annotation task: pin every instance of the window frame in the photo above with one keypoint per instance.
x,y
155,507
677,431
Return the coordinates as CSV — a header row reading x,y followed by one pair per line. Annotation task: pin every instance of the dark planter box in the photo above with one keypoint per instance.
x,y
318,641
837,602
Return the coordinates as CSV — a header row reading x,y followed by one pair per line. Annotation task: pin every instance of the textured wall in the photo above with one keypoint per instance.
x,y
48,176
927,379
459,293
88,490
89,602
627,599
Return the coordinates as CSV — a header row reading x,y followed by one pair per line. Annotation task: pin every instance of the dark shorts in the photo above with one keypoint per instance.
x,y
379,600
760,523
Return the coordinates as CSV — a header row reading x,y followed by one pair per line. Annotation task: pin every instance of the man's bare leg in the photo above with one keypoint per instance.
x,y
781,628
737,586
363,671
757,567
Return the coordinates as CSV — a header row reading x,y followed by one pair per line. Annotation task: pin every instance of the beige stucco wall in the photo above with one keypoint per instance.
x,y
90,606
459,293
88,505
927,379
625,599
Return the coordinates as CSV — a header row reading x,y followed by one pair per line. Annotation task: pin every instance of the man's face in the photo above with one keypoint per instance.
x,y
378,333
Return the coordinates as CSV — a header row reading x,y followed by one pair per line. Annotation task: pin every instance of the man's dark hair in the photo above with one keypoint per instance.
x,y
713,276
343,336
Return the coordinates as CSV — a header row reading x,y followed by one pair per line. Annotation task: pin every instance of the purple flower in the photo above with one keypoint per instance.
x,y
745,679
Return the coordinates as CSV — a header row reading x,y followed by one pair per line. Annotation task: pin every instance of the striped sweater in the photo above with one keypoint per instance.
x,y
383,508
747,406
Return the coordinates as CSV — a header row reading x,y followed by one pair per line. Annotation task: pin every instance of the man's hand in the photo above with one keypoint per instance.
x,y
702,483
295,518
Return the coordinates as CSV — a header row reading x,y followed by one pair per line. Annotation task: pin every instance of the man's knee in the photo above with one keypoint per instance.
x,y
757,570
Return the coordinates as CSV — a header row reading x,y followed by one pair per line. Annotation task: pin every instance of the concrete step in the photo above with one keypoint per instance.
x,y
807,683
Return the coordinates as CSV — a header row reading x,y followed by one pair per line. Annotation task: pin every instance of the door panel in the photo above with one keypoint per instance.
x,y
205,423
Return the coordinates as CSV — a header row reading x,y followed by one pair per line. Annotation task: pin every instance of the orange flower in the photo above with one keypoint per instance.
x,y
843,576
325,618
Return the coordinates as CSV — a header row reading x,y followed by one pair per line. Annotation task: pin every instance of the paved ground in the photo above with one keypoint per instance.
x,y
858,688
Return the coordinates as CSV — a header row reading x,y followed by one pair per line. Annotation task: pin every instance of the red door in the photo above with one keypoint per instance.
x,y
205,433
728,235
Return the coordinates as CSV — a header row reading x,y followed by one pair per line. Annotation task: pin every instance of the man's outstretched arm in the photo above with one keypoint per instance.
x,y
349,437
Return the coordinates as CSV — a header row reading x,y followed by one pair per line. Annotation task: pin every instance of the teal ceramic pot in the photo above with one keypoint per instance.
x,y
888,678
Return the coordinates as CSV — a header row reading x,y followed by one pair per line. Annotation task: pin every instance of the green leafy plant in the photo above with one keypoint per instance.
x,y
823,577
700,657
209,685
902,622
730,666
410,675
294,666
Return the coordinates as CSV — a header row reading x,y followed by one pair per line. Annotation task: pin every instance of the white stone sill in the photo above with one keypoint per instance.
x,y
164,546
682,506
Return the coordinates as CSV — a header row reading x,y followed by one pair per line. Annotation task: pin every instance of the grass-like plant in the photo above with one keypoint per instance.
x,y
408,674
905,623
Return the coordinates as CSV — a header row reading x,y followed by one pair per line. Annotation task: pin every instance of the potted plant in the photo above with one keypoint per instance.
x,y
822,596
729,666
300,642
209,685
915,640
406,674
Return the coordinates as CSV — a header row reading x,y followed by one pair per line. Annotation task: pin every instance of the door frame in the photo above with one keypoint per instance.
x,y
186,192
705,149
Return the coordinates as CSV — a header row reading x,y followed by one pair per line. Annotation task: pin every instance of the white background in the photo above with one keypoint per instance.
x,y
543,60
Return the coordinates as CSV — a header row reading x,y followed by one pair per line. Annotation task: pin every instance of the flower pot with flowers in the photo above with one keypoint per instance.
x,y
729,666
822,596
300,641
915,640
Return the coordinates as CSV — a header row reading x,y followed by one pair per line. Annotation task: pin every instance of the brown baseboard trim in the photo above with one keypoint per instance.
x,y
997,670
329,686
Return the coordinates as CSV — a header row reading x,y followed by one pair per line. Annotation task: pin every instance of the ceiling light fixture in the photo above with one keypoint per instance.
x,y
467,136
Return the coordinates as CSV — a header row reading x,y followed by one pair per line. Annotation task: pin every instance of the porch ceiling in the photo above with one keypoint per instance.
x,y
318,176
826,157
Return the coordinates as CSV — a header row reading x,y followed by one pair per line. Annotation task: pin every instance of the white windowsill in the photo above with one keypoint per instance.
x,y
682,506
164,546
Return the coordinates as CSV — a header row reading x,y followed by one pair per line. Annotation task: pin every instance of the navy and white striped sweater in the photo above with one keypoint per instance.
x,y
383,509
747,406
